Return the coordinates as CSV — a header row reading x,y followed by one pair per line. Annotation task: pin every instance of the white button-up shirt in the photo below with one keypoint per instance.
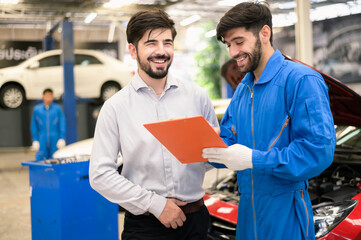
x,y
150,172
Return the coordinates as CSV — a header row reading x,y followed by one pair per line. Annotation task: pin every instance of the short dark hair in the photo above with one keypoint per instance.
x,y
142,21
250,15
47,90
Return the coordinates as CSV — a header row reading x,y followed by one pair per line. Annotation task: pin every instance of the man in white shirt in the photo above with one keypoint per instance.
x,y
162,197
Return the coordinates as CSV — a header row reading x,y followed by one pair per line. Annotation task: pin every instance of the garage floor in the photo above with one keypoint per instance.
x,y
15,220
15,223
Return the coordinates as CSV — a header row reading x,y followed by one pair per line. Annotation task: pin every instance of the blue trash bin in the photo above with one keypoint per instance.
x,y
64,206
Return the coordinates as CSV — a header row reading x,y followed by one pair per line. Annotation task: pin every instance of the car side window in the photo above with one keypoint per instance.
x,y
50,61
84,60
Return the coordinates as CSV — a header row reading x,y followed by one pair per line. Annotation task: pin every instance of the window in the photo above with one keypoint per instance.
x,y
84,60
50,61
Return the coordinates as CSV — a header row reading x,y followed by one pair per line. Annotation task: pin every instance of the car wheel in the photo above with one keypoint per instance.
x,y
108,90
12,96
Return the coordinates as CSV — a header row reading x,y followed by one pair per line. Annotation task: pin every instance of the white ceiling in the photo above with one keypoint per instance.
x,y
45,13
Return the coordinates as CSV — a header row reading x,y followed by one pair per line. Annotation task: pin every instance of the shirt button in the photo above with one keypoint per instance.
x,y
167,169
170,193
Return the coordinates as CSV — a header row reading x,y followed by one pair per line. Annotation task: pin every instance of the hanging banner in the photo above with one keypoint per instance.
x,y
14,52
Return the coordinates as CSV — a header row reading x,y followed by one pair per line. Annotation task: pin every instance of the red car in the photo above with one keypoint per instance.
x,y
335,193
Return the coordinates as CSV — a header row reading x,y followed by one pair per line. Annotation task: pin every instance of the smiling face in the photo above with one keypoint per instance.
x,y
154,53
245,48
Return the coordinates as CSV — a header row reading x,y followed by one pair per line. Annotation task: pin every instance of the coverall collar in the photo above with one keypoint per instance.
x,y
51,104
272,67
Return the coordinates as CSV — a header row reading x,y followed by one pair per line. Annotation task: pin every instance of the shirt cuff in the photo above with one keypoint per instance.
x,y
157,205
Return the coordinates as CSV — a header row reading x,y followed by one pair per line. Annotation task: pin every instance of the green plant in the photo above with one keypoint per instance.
x,y
208,59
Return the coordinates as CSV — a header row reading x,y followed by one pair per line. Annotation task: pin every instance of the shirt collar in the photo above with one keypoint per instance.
x,y
272,67
138,82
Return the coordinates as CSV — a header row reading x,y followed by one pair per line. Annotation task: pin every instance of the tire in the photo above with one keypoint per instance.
x,y
108,90
12,96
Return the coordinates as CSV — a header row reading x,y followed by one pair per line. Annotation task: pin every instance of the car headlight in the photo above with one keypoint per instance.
x,y
327,217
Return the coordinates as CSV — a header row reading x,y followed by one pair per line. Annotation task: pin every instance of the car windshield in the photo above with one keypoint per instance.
x,y
348,137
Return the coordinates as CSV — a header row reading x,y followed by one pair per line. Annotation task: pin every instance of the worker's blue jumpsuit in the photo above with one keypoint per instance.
x,y
286,119
47,127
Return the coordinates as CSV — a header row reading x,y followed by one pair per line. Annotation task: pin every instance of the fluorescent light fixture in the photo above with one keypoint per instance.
x,y
190,20
287,5
319,13
111,32
9,1
117,3
90,17
335,10
284,20
210,34
231,3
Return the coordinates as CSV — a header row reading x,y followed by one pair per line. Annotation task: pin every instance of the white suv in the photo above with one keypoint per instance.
x,y
96,75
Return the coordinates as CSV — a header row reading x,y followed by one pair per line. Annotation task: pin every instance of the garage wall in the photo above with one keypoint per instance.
x,y
10,123
15,124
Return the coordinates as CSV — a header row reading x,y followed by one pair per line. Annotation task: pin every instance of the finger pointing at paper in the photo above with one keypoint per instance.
x,y
236,157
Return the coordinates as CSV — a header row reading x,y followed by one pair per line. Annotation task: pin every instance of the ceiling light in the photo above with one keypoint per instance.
x,y
231,3
284,19
117,3
111,32
190,20
287,5
211,33
90,17
9,1
335,10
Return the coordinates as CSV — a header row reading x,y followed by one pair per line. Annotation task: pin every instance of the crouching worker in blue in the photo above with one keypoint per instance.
x,y
279,129
47,127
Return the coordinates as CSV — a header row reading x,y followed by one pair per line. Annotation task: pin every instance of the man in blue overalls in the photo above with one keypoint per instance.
x,y
47,127
279,129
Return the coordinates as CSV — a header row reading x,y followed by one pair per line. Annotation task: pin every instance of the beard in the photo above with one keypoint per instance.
x,y
254,58
159,73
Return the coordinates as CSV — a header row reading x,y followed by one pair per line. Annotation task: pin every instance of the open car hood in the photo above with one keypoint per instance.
x,y
344,102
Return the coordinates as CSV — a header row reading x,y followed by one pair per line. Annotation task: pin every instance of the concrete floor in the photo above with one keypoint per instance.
x,y
15,222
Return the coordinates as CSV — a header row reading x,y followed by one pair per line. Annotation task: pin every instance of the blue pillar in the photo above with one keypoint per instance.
x,y
48,43
69,101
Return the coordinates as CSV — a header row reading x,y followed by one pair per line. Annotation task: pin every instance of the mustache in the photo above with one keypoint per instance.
x,y
165,57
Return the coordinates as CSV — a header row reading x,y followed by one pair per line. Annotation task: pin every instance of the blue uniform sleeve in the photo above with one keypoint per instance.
x,y
34,127
312,134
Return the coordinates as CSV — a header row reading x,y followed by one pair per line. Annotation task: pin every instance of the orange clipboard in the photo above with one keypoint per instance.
x,y
186,137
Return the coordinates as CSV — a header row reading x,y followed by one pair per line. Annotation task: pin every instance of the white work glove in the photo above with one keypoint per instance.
x,y
35,146
60,143
236,157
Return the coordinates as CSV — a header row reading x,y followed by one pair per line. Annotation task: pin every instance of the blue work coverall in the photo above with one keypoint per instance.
x,y
286,119
47,127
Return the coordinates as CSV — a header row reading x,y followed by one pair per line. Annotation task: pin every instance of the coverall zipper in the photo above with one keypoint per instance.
x,y
304,203
48,128
254,146
278,136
